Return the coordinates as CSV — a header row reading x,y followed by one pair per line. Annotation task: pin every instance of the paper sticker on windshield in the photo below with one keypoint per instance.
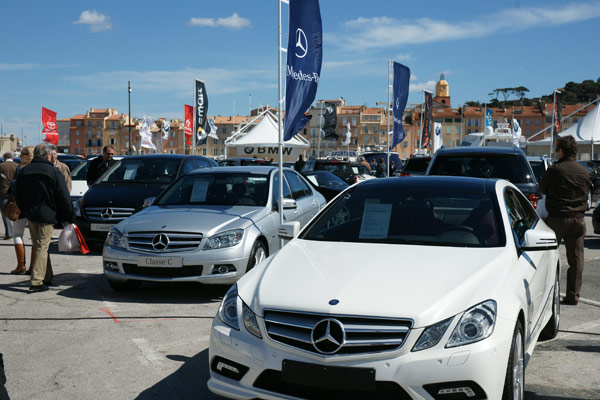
x,y
130,171
375,221
199,191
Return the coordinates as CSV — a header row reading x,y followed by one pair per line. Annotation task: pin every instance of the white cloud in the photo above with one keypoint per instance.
x,y
18,67
381,32
232,22
97,21
420,86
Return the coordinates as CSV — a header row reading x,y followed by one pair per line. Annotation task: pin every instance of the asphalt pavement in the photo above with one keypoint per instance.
x,y
82,340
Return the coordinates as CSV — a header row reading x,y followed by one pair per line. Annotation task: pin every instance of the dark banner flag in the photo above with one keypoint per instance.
x,y
188,112
401,78
200,112
427,119
303,67
330,122
49,124
557,115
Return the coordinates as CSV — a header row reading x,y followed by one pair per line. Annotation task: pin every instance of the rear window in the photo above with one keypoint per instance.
x,y
511,167
418,164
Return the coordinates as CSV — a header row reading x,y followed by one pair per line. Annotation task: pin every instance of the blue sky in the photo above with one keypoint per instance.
x,y
75,54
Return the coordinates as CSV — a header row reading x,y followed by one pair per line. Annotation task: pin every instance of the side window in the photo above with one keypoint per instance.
x,y
202,163
286,189
299,188
520,214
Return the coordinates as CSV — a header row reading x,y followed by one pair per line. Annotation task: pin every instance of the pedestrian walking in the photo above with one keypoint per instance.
x,y
299,164
42,196
8,170
566,185
381,168
100,164
62,167
20,224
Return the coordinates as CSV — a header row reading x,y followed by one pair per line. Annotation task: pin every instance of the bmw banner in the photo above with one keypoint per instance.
x,y
303,67
330,122
401,79
427,119
200,112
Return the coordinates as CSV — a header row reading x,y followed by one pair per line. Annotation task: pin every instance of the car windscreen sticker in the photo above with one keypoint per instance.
x,y
199,191
375,221
130,171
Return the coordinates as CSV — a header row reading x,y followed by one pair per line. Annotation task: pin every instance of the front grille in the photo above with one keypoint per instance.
x,y
108,214
177,241
363,334
271,380
185,271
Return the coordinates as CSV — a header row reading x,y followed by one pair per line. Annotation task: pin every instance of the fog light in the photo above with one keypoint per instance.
x,y
111,266
466,390
228,368
223,269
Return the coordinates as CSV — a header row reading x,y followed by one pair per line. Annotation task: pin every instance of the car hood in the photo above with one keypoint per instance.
x,y
131,195
425,284
207,220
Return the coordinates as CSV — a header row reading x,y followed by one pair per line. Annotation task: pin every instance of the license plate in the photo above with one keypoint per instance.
x,y
328,377
102,227
160,262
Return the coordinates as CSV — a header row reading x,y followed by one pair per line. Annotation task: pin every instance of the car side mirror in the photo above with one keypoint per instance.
x,y
148,202
536,240
289,230
289,204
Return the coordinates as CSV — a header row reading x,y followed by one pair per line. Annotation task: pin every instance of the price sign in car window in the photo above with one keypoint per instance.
x,y
199,191
130,171
375,221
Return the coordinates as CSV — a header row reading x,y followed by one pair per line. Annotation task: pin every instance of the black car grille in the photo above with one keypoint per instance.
x,y
108,214
185,271
363,334
271,380
175,241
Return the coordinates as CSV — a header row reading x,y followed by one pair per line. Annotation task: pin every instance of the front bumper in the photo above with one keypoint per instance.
x,y
408,374
197,265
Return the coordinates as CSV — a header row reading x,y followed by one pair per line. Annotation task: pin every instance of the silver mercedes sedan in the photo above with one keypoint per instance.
x,y
210,226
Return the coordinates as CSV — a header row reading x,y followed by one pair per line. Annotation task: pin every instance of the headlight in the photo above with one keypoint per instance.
x,y
116,239
250,321
432,335
225,239
228,308
477,323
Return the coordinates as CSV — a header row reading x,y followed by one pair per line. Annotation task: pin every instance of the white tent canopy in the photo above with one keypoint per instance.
x,y
263,134
584,131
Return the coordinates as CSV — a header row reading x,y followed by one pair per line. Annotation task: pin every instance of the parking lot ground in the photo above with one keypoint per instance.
x,y
83,340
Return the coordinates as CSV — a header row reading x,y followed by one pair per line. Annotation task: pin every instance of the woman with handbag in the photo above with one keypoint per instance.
x,y
20,224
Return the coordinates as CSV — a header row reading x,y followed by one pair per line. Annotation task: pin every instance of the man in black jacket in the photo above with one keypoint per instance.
x,y
42,196
566,185
100,164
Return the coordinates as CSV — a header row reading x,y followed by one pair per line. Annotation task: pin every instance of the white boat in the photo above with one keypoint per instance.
x,y
501,136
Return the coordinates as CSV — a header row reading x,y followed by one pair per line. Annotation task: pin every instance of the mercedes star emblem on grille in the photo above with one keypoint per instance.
x,y
328,336
107,213
160,241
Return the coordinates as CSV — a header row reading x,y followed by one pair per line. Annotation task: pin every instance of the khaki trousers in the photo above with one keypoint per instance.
x,y
572,230
41,234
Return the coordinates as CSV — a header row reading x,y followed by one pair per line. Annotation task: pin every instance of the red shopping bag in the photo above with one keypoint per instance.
x,y
83,247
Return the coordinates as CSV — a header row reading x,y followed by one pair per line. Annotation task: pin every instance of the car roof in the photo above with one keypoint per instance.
x,y
251,169
453,184
161,156
480,150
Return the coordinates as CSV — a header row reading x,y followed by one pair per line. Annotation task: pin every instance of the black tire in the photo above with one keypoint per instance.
x,y
258,253
514,382
551,329
123,286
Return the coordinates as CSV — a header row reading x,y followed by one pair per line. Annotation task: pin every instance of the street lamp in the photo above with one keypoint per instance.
x,y
129,101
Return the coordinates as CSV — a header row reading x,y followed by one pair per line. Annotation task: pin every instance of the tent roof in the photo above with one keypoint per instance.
x,y
583,131
264,134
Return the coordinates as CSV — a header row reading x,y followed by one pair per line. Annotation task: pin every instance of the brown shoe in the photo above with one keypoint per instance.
x,y
20,251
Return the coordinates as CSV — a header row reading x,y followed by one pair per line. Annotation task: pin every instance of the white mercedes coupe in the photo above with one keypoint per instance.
x,y
417,288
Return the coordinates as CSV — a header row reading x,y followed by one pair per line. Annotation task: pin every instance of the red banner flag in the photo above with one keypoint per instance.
x,y
189,121
49,123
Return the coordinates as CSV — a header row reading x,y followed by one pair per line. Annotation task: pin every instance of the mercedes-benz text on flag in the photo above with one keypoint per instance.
x,y
49,123
200,112
188,113
401,78
303,67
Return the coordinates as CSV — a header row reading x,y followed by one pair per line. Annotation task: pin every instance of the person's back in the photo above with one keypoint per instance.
x,y
566,187
8,170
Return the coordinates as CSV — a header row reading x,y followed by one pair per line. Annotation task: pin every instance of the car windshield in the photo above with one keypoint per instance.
x,y
79,173
326,180
427,216
335,167
235,189
145,170
513,168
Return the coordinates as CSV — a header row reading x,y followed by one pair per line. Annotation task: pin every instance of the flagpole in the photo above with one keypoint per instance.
x,y
320,121
389,112
279,127
553,124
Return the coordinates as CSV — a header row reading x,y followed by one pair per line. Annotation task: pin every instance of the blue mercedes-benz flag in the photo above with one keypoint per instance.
x,y
303,68
401,78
